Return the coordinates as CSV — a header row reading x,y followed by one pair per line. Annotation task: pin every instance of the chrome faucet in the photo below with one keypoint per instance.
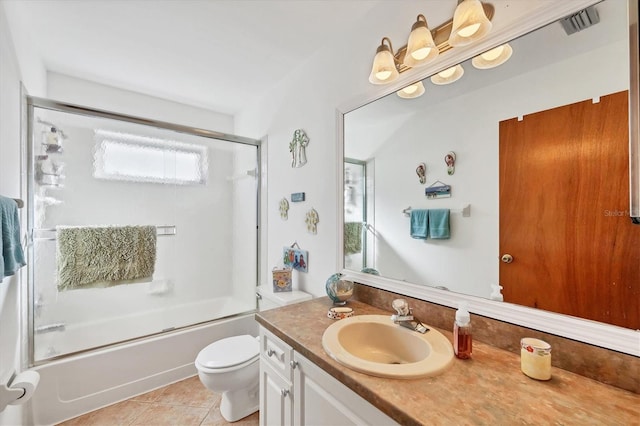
x,y
404,317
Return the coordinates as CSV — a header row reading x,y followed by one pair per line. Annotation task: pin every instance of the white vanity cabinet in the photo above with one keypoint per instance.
x,y
295,391
276,380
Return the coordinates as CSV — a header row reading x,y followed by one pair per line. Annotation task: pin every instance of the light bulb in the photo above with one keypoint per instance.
x,y
383,75
409,90
384,67
468,31
448,76
493,54
420,54
493,58
412,91
420,47
470,23
447,73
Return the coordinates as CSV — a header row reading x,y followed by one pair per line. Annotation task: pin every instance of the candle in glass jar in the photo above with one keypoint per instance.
x,y
535,358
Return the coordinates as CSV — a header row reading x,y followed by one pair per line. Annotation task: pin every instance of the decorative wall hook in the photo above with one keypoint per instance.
x,y
298,148
312,220
421,171
450,159
284,209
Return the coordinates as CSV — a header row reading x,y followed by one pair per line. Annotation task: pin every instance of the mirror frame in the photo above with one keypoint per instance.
x,y
600,334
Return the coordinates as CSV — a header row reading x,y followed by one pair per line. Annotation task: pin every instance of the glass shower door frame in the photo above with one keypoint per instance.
x,y
28,143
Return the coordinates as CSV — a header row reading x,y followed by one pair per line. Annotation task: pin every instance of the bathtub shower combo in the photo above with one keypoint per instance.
x,y
137,229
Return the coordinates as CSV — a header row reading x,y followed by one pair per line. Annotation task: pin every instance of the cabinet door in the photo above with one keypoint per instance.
x,y
275,397
320,399
277,353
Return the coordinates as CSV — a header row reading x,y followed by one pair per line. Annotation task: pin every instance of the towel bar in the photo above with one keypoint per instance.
x,y
465,210
50,233
61,326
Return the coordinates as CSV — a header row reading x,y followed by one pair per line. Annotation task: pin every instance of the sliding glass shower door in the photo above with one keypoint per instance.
x,y
135,228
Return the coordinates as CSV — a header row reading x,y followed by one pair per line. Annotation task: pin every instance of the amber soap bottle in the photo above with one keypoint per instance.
x,y
462,340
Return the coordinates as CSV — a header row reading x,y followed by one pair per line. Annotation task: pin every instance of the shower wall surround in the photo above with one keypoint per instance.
x,y
111,170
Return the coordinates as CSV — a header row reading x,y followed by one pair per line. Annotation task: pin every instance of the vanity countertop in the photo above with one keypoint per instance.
x,y
488,389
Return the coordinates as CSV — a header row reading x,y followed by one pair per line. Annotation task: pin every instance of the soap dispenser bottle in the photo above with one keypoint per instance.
x,y
462,341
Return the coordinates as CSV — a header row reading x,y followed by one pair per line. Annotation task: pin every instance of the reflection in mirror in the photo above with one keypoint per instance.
x,y
548,69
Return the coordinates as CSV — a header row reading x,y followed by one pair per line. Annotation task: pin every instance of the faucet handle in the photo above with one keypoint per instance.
x,y
401,306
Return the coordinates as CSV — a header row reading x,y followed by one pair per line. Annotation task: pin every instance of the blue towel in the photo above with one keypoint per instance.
x,y
419,224
12,257
439,224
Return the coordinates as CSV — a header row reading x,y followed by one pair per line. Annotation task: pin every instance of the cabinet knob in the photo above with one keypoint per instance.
x,y
293,364
270,352
284,392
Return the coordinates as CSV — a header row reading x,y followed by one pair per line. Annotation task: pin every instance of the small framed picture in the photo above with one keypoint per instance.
x,y
296,258
442,191
281,280
297,197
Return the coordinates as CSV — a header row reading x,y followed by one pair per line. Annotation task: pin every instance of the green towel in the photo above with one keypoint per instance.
x,y
11,254
90,257
352,237
419,224
439,224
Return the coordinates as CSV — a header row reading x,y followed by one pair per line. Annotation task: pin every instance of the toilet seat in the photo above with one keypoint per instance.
x,y
229,353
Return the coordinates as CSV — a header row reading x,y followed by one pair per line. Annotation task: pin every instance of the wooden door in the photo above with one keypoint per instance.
x,y
564,212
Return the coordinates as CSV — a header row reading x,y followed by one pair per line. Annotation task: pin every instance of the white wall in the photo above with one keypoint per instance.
x,y
10,186
86,93
26,55
307,99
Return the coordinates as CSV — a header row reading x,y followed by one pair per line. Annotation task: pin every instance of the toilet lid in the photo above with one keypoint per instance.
x,y
229,352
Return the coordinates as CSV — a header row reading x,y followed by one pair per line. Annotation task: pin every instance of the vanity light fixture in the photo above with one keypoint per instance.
x,y
384,64
471,21
420,48
493,58
448,76
412,91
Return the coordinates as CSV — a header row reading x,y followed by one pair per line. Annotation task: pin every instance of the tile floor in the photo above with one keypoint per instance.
x,y
184,403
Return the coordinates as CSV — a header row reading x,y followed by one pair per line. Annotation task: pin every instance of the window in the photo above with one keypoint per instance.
x,y
135,158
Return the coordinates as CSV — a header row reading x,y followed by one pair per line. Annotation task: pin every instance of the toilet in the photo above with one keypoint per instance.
x,y
231,366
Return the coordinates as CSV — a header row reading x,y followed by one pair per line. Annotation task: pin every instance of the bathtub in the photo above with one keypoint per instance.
x,y
66,335
85,382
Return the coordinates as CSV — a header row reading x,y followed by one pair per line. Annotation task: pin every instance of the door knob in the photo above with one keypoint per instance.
x,y
507,258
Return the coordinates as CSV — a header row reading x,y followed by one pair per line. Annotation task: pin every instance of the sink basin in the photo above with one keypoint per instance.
x,y
374,345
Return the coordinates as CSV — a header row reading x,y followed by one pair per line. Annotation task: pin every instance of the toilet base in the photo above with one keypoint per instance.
x,y
238,404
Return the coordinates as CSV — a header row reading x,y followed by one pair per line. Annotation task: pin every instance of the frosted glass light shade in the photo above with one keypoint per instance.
x,y
412,91
384,68
448,76
470,23
493,58
420,48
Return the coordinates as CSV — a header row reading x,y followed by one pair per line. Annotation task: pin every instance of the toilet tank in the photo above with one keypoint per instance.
x,y
268,299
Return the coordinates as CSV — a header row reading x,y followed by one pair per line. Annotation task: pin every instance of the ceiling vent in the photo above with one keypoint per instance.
x,y
580,20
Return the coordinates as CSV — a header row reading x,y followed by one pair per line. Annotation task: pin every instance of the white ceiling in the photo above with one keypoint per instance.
x,y
216,54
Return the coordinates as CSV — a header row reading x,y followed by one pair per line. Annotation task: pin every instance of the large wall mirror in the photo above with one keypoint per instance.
x,y
524,197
